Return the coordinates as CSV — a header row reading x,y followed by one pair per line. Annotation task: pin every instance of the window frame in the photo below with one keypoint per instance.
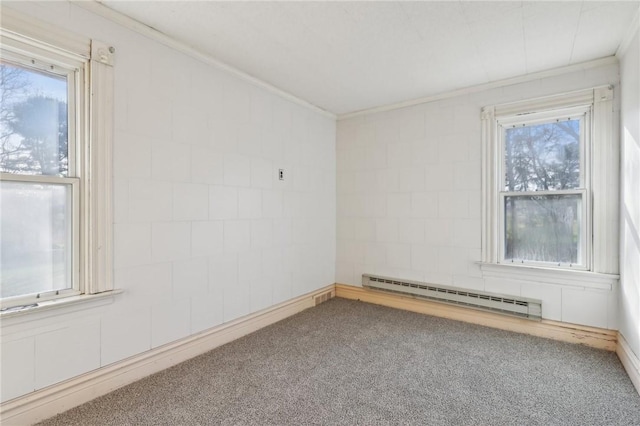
x,y
73,69
582,112
88,65
601,154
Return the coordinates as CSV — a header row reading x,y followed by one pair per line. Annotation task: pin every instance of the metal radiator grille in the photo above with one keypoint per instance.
x,y
510,305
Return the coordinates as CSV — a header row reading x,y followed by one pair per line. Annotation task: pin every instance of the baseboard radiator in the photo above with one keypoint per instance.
x,y
508,305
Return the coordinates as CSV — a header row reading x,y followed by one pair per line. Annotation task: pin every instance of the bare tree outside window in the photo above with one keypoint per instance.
x,y
35,223
33,122
542,157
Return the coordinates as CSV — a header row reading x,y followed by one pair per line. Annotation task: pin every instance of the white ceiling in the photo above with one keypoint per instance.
x,y
350,56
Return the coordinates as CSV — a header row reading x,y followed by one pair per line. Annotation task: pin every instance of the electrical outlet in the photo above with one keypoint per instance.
x,y
281,174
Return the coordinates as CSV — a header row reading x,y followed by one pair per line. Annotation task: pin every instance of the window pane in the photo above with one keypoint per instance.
x,y
33,122
543,157
544,228
36,238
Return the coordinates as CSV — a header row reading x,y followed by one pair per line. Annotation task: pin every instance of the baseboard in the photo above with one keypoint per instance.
x,y
63,396
47,402
590,336
629,360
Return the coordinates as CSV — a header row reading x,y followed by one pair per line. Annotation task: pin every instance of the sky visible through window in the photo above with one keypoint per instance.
x,y
35,251
543,157
48,85
33,121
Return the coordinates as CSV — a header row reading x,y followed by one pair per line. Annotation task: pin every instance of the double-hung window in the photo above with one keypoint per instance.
x,y
40,175
550,171
545,186
54,164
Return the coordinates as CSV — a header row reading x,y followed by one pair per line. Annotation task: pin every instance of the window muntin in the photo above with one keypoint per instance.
x,y
39,166
544,187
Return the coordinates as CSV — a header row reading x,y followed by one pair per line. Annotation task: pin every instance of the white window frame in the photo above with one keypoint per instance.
x,y
598,187
584,190
88,66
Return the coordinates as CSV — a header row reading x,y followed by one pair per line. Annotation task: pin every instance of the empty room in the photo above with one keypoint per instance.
x,y
322,212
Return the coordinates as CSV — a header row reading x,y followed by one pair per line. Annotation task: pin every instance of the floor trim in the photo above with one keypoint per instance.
x,y
589,336
629,360
52,400
48,402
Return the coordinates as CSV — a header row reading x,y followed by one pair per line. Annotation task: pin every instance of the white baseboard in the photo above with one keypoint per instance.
x,y
629,360
48,402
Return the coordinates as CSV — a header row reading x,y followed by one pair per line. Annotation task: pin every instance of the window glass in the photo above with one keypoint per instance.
x,y
542,157
35,225
33,122
543,228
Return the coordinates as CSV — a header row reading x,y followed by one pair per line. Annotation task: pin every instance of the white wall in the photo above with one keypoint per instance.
x,y
630,196
409,197
204,230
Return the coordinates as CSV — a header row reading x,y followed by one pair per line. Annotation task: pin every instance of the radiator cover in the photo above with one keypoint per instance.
x,y
498,303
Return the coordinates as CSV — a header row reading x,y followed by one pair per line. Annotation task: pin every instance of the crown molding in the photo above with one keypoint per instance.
x,y
609,60
100,9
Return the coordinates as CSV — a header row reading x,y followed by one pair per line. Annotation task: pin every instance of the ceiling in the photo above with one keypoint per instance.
x,y
349,56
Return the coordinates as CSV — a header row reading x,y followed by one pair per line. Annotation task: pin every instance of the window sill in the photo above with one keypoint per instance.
x,y
584,279
64,305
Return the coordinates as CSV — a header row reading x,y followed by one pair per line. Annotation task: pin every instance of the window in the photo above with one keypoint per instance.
x,y
40,177
550,183
54,183
544,188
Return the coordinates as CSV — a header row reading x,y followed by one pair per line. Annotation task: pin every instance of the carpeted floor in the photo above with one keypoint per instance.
x,y
347,362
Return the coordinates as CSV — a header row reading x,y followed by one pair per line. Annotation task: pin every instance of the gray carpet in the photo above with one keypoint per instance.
x,y
347,362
